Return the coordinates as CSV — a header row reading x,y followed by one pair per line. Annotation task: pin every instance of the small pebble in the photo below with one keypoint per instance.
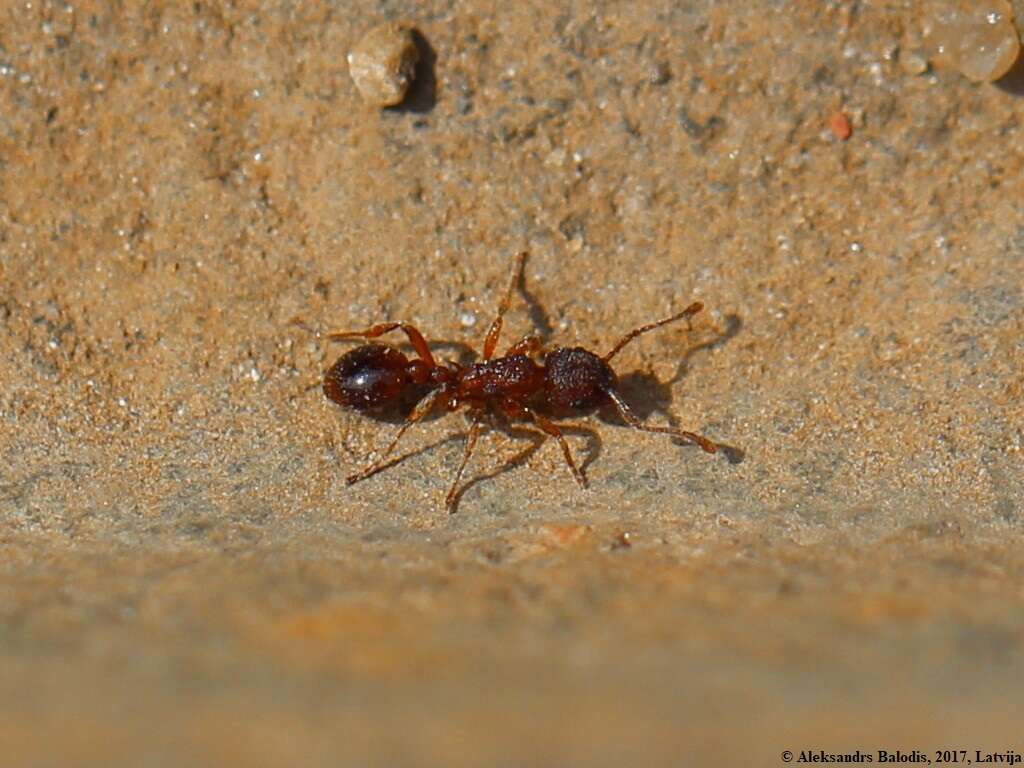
x,y
383,64
975,37
659,73
840,126
913,63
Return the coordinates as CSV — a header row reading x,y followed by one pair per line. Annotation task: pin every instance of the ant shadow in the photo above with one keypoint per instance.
x,y
422,94
538,316
648,396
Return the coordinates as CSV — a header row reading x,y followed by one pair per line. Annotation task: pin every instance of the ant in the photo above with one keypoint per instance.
x,y
515,385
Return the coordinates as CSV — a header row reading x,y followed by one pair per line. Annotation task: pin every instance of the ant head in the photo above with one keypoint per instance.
x,y
576,379
368,377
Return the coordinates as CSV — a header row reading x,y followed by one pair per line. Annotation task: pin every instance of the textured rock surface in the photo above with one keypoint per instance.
x,y
186,580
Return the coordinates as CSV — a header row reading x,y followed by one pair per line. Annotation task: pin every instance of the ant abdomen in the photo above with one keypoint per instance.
x,y
367,377
576,379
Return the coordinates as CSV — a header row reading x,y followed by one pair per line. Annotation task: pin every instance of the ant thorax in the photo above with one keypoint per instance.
x,y
514,376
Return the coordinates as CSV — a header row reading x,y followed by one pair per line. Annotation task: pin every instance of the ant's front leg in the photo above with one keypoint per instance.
x,y
415,338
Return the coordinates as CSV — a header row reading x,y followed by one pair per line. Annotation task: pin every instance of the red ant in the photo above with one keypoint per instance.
x,y
515,385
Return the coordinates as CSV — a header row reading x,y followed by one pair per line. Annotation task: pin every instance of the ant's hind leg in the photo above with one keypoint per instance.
x,y
553,430
474,433
491,340
631,418
415,338
423,407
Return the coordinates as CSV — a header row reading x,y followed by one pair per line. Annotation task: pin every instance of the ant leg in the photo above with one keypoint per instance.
x,y
528,345
474,433
491,341
689,312
415,338
631,418
553,430
423,407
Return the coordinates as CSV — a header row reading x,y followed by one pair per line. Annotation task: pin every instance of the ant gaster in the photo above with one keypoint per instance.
x,y
514,385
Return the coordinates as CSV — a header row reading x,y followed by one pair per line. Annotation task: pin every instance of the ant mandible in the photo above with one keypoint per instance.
x,y
514,385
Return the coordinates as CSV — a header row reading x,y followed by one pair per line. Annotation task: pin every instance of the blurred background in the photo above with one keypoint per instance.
x,y
186,580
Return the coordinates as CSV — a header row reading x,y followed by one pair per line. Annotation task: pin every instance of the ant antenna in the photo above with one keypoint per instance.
x,y
689,312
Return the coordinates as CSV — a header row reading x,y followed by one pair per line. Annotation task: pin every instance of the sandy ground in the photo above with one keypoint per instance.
x,y
186,580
